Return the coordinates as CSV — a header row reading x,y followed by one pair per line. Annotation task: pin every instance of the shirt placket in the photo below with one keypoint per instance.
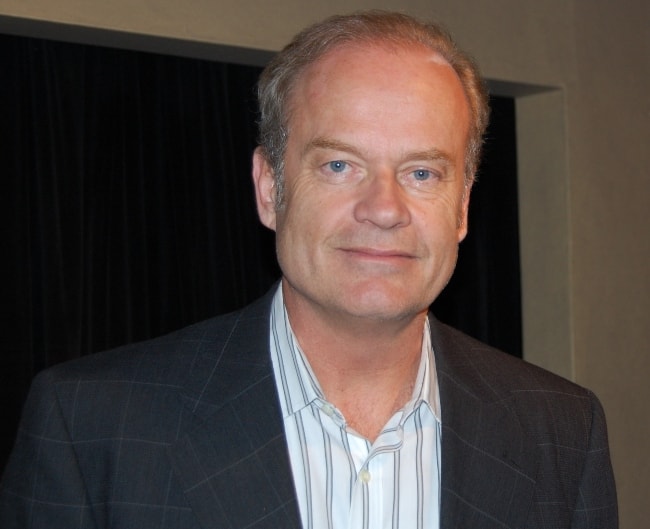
x,y
374,482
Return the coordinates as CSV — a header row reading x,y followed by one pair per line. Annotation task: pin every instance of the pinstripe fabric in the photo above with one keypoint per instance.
x,y
186,432
180,432
342,480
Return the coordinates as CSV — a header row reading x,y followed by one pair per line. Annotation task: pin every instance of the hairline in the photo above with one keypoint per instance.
x,y
430,37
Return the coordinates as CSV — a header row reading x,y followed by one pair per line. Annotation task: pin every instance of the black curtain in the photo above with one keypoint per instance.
x,y
128,208
483,297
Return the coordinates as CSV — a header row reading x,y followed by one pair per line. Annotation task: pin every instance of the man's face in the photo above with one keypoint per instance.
x,y
374,202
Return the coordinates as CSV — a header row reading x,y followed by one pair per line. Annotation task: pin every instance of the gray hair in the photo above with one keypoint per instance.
x,y
369,27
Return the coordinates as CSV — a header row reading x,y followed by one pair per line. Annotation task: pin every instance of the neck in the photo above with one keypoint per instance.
x,y
366,368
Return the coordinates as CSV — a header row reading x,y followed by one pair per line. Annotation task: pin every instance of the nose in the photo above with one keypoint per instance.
x,y
382,202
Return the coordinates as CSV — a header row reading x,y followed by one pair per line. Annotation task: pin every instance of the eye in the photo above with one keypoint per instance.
x,y
337,166
422,174
420,177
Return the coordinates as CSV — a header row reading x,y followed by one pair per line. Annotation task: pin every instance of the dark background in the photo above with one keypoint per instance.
x,y
128,208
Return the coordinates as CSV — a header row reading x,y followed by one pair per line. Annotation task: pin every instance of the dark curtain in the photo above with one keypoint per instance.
x,y
483,297
129,212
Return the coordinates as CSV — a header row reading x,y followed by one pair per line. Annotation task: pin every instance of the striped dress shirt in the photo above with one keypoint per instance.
x,y
342,480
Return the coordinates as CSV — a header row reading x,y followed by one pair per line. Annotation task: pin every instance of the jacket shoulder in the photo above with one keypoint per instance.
x,y
168,358
479,367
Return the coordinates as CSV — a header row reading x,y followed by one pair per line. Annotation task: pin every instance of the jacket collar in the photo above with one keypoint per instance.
x,y
489,465
232,459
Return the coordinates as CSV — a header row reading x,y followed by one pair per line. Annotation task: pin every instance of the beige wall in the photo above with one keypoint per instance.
x,y
581,71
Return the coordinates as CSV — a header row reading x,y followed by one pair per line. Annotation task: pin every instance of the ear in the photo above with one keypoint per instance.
x,y
463,212
264,180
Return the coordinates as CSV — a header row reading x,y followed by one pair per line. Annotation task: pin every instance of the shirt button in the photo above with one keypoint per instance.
x,y
364,475
328,410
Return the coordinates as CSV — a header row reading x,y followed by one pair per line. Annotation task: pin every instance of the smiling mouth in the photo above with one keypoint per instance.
x,y
378,253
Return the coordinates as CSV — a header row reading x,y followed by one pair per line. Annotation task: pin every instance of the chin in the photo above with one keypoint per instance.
x,y
385,306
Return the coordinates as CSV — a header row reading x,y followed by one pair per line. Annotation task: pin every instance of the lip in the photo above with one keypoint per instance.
x,y
378,253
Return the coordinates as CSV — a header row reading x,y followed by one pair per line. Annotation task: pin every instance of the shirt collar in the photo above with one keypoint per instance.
x,y
298,386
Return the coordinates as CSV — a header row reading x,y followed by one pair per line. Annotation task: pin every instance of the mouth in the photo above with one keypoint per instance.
x,y
378,254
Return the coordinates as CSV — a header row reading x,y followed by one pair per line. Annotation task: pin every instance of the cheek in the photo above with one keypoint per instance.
x,y
297,227
443,218
312,208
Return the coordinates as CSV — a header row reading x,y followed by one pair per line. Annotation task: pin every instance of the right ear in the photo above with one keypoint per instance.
x,y
265,188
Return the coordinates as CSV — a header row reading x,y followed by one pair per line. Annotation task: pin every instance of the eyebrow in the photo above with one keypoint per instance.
x,y
431,155
434,155
330,145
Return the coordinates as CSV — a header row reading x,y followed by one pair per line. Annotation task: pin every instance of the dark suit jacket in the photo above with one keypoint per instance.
x,y
185,432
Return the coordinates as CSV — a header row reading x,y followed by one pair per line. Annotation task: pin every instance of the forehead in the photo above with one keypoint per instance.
x,y
361,85
349,53
376,64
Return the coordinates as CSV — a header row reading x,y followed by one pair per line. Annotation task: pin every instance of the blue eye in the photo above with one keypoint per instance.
x,y
337,166
421,174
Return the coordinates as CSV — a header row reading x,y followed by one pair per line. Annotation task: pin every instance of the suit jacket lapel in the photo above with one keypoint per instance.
x,y
232,460
489,466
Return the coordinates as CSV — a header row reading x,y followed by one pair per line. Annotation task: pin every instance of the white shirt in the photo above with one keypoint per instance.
x,y
341,479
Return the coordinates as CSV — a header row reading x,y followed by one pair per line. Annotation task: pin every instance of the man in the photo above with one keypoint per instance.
x,y
336,400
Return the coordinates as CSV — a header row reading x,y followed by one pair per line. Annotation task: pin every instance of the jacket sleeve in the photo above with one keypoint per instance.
x,y
42,486
596,506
